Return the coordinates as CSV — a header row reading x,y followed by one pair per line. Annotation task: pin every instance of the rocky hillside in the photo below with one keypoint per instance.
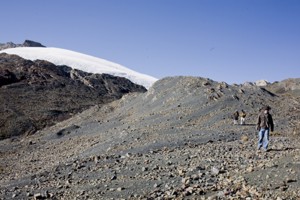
x,y
176,141
27,43
291,85
37,94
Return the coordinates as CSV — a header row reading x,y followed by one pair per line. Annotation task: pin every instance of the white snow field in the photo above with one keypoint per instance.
x,y
82,62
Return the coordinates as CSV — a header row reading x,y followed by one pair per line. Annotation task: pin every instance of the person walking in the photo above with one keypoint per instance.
x,y
264,126
235,117
243,115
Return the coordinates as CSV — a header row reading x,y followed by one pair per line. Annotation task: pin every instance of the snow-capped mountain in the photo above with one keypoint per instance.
x,y
81,61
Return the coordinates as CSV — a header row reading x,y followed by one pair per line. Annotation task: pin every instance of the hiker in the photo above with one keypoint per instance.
x,y
235,117
264,126
243,115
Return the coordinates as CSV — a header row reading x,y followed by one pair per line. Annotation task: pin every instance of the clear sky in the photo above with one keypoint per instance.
x,y
225,40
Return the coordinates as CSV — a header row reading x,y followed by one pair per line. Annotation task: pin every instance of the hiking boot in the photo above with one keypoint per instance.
x,y
258,148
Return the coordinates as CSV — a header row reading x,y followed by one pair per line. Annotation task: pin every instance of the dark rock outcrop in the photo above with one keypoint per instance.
x,y
38,94
27,43
30,43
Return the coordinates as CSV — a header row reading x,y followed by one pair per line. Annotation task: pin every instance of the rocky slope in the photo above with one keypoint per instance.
x,y
291,85
176,141
36,94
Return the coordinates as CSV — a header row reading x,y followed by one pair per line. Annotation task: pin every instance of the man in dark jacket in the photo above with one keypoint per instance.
x,y
264,126
235,117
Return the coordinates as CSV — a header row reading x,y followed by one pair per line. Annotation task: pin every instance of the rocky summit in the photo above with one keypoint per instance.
x,y
176,141
36,94
26,43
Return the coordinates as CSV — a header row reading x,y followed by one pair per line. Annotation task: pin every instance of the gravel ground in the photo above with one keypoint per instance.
x,y
176,141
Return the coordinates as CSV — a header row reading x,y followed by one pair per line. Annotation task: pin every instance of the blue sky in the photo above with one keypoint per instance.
x,y
226,40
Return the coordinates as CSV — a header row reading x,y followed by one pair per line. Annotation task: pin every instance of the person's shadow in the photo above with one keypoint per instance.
x,y
283,149
247,124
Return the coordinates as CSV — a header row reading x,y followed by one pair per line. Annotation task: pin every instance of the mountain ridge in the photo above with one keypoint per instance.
x,y
30,43
26,43
81,61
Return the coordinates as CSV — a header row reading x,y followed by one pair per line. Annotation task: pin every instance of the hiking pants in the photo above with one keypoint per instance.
x,y
263,138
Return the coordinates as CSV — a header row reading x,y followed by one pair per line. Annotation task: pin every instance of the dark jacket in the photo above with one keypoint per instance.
x,y
235,115
265,121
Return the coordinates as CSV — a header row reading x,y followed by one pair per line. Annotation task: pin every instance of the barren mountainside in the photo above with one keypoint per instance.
x,y
175,141
36,94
